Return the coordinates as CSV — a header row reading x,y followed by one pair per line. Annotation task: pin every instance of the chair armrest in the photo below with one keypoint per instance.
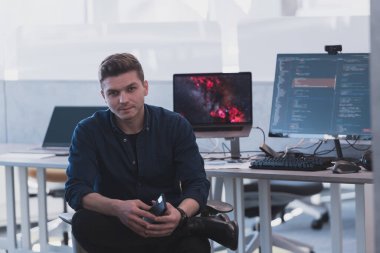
x,y
214,207
66,217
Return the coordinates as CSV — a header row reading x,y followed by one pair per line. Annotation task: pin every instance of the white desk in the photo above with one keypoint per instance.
x,y
233,175
233,179
9,242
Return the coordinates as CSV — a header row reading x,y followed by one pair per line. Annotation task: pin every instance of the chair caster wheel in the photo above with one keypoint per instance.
x,y
318,223
325,217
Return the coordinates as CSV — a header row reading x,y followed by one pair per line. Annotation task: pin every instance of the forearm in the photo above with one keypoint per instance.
x,y
129,212
190,206
98,203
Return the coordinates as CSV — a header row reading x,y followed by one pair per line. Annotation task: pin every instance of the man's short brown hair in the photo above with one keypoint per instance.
x,y
117,64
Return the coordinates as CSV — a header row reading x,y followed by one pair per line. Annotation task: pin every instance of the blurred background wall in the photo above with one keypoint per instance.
x,y
50,50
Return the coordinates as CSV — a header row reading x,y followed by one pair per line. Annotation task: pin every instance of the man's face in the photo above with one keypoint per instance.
x,y
124,95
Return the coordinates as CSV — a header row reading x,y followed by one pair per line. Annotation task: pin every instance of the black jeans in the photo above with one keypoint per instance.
x,y
98,233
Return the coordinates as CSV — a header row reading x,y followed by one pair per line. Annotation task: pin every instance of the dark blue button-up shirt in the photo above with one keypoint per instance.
x,y
168,160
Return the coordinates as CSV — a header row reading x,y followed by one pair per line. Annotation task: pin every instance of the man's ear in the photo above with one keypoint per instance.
x,y
146,87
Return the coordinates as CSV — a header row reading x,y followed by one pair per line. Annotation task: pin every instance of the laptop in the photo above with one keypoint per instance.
x,y
62,123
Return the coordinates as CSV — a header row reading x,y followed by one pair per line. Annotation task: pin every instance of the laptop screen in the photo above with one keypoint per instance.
x,y
63,122
215,104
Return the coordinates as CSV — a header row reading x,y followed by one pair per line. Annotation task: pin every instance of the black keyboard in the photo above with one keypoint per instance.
x,y
291,163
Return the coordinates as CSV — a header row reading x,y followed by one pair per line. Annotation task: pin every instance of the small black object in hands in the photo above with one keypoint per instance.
x,y
158,208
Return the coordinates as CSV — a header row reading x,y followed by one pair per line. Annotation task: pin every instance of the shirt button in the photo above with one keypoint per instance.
x,y
125,139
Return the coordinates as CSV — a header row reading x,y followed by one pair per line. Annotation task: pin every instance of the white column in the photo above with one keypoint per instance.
x,y
375,105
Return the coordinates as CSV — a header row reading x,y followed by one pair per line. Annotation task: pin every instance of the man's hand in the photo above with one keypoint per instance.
x,y
165,225
131,212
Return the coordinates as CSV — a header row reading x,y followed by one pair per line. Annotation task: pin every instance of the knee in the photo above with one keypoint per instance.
x,y
194,244
77,224
81,222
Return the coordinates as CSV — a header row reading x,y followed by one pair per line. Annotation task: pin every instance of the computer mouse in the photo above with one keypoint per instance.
x,y
343,167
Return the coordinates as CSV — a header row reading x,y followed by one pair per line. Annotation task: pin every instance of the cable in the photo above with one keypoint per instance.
x,y
215,141
312,145
262,131
290,148
352,145
318,146
224,146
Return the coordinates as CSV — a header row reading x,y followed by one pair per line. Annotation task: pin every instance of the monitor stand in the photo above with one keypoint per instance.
x,y
235,150
338,149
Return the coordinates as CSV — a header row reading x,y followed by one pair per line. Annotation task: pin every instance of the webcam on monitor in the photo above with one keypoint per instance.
x,y
333,49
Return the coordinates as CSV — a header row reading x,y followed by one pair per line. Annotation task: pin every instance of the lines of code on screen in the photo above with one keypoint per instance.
x,y
320,94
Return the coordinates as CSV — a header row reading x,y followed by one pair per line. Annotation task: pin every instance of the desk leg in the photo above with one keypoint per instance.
x,y
25,216
218,188
230,191
336,219
42,214
216,192
360,219
265,216
240,212
11,214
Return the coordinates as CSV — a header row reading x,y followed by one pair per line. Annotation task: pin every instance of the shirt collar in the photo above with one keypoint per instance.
x,y
146,118
118,130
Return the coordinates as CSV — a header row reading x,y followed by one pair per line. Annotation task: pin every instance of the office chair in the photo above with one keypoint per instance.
x,y
282,193
213,208
57,178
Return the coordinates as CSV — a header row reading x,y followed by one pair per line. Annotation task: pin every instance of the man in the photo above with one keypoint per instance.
x,y
123,158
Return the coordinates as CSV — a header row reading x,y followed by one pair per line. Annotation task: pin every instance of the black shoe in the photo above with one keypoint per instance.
x,y
219,229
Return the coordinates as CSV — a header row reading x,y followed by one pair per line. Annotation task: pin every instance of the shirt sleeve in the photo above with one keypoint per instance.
x,y
190,165
82,170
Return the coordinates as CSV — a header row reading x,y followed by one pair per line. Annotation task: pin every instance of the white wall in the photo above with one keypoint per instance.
x,y
30,104
74,52
260,40
2,113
